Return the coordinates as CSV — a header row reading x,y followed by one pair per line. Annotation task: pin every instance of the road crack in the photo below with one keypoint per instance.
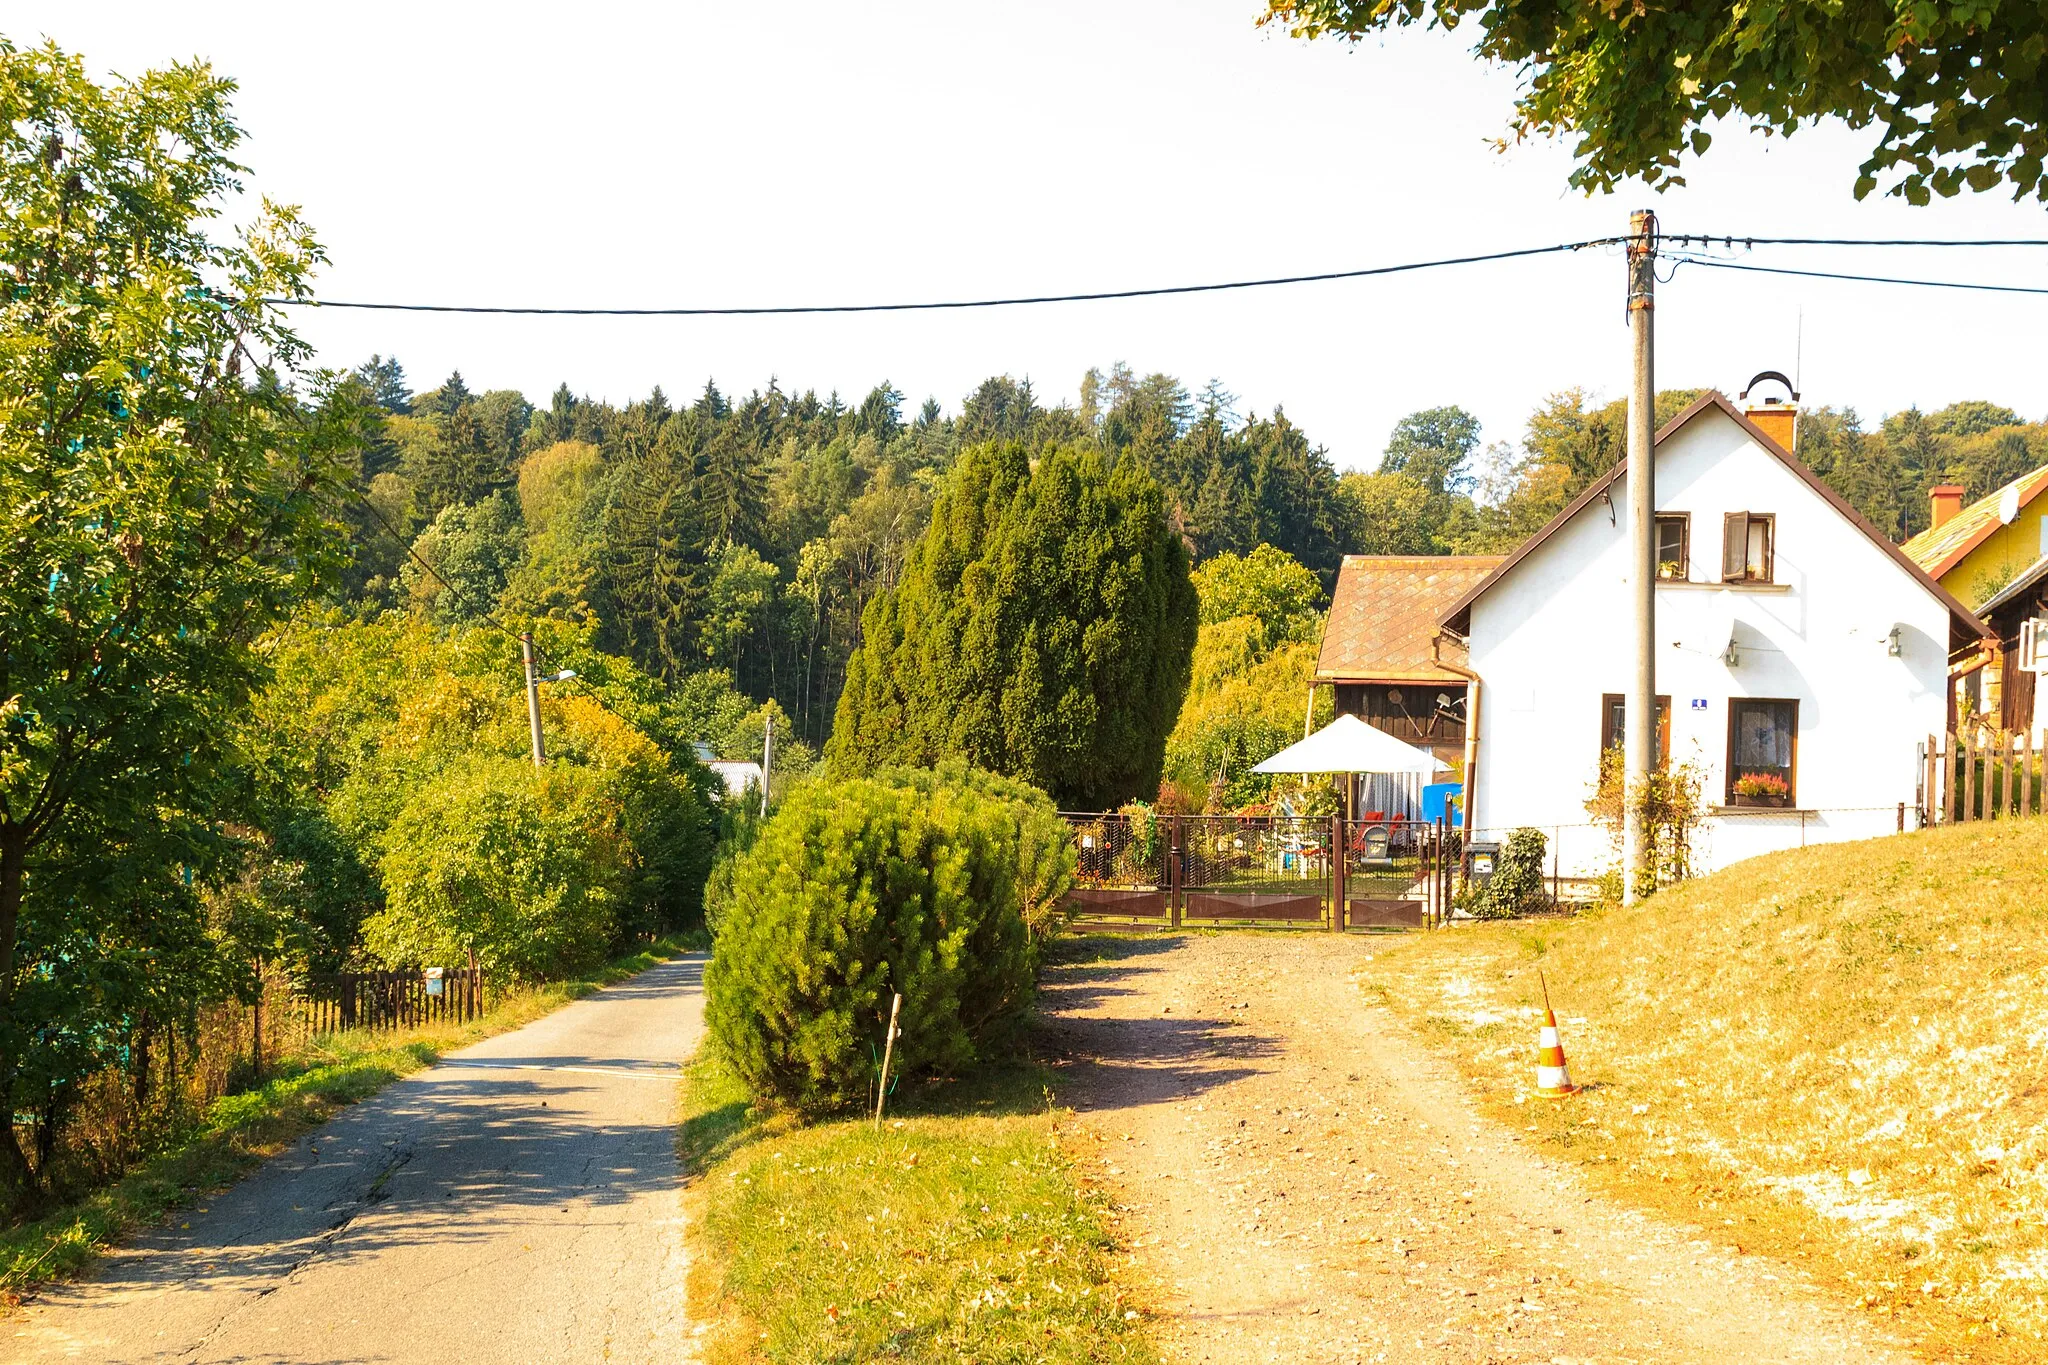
x,y
398,1155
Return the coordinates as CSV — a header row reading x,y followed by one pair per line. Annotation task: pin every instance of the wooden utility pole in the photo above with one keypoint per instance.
x,y
1640,739
532,696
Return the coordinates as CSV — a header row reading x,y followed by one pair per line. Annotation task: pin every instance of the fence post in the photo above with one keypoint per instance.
x,y
1955,777
1928,763
1174,858
1970,811
1440,906
1337,872
2027,774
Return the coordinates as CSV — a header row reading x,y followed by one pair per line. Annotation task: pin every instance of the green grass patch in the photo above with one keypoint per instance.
x,y
958,1232
240,1131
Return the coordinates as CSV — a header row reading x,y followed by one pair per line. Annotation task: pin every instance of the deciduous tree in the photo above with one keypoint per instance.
x,y
1958,93
161,495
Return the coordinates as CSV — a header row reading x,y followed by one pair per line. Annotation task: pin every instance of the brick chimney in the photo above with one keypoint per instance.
x,y
1947,499
1778,420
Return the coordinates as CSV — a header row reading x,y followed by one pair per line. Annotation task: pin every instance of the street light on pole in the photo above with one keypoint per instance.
x,y
533,683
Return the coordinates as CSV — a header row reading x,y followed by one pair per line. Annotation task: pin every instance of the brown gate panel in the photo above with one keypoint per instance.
x,y
1383,914
1252,905
1120,901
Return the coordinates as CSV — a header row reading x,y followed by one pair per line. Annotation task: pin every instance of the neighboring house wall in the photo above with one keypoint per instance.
x,y
2005,554
738,775
1552,636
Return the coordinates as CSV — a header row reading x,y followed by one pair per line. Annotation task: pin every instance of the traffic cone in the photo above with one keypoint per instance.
x,y
1553,1079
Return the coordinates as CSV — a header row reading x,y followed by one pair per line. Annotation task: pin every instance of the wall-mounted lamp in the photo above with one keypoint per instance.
x,y
1894,641
1731,656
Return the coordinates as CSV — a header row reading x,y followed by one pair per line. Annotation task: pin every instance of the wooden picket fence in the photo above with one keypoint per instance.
x,y
1982,774
393,999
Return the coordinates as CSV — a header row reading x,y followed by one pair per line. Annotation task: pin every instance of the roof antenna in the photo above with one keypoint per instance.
x,y
1798,348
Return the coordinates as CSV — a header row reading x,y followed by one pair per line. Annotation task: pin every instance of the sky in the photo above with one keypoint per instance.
x,y
692,154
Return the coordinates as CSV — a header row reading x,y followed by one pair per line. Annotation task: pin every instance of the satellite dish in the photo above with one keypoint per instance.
x,y
2008,504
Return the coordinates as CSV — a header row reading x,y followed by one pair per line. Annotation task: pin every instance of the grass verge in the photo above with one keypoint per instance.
x,y
1834,1056
240,1131
956,1233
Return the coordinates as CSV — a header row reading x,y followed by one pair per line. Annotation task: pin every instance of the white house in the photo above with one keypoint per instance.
x,y
738,774
1794,641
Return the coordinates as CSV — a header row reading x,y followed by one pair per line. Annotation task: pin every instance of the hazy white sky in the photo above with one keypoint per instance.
x,y
698,154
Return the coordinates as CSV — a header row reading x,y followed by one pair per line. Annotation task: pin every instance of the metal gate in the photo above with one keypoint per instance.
x,y
1394,873
1254,869
1163,871
1122,868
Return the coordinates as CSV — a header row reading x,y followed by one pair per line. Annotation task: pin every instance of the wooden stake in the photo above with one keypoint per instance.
x,y
888,1051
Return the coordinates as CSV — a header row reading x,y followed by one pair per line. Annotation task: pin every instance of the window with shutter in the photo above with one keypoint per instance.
x,y
1748,547
1734,547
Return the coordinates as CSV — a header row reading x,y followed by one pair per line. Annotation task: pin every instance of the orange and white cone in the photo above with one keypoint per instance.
x,y
1553,1078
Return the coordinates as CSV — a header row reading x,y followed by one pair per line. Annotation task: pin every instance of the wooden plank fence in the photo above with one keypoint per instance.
x,y
392,999
1981,774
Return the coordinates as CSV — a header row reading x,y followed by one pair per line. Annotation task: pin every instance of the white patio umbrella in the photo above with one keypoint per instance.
x,y
1348,745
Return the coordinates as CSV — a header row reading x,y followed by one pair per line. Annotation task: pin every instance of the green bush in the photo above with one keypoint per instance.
x,y
1517,880
524,869
917,882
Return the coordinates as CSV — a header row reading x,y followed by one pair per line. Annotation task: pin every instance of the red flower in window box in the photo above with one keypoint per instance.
x,y
1763,789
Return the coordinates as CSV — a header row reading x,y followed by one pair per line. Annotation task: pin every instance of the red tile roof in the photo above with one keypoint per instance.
x,y
1384,615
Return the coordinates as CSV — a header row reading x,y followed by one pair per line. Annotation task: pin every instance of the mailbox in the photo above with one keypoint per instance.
x,y
1479,860
433,977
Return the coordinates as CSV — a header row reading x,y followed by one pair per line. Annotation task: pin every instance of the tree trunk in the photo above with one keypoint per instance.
x,y
16,1175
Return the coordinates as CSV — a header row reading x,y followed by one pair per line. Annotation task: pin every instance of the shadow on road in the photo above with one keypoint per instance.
x,y
1112,1060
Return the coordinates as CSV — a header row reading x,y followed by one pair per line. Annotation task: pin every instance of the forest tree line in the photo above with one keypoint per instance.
x,y
730,545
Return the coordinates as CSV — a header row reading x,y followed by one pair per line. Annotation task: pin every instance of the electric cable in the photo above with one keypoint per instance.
x,y
418,559
1862,279
1709,239
788,309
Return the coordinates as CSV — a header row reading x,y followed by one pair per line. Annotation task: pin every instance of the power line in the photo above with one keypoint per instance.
x,y
785,310
1861,279
1711,238
416,558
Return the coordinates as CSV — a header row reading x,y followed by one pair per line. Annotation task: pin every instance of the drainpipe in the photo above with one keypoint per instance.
x,y
1471,721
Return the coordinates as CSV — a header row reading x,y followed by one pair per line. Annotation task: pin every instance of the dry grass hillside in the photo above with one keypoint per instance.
x,y
1837,1055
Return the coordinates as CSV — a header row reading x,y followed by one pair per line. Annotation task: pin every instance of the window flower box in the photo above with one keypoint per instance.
x,y
1761,789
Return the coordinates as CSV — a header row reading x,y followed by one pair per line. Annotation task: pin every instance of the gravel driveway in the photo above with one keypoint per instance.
x,y
1298,1180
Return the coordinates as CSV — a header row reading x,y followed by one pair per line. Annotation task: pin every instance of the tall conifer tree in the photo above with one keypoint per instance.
x,y
1042,628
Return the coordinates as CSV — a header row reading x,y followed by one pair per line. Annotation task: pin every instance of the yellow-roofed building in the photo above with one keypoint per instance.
x,y
1974,551
1993,554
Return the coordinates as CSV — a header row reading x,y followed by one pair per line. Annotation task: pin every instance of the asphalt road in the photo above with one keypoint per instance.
x,y
520,1201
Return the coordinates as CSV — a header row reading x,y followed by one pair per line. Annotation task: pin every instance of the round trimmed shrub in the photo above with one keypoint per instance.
x,y
915,882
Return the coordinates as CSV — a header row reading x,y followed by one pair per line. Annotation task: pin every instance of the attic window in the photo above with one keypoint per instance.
x,y
1748,547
